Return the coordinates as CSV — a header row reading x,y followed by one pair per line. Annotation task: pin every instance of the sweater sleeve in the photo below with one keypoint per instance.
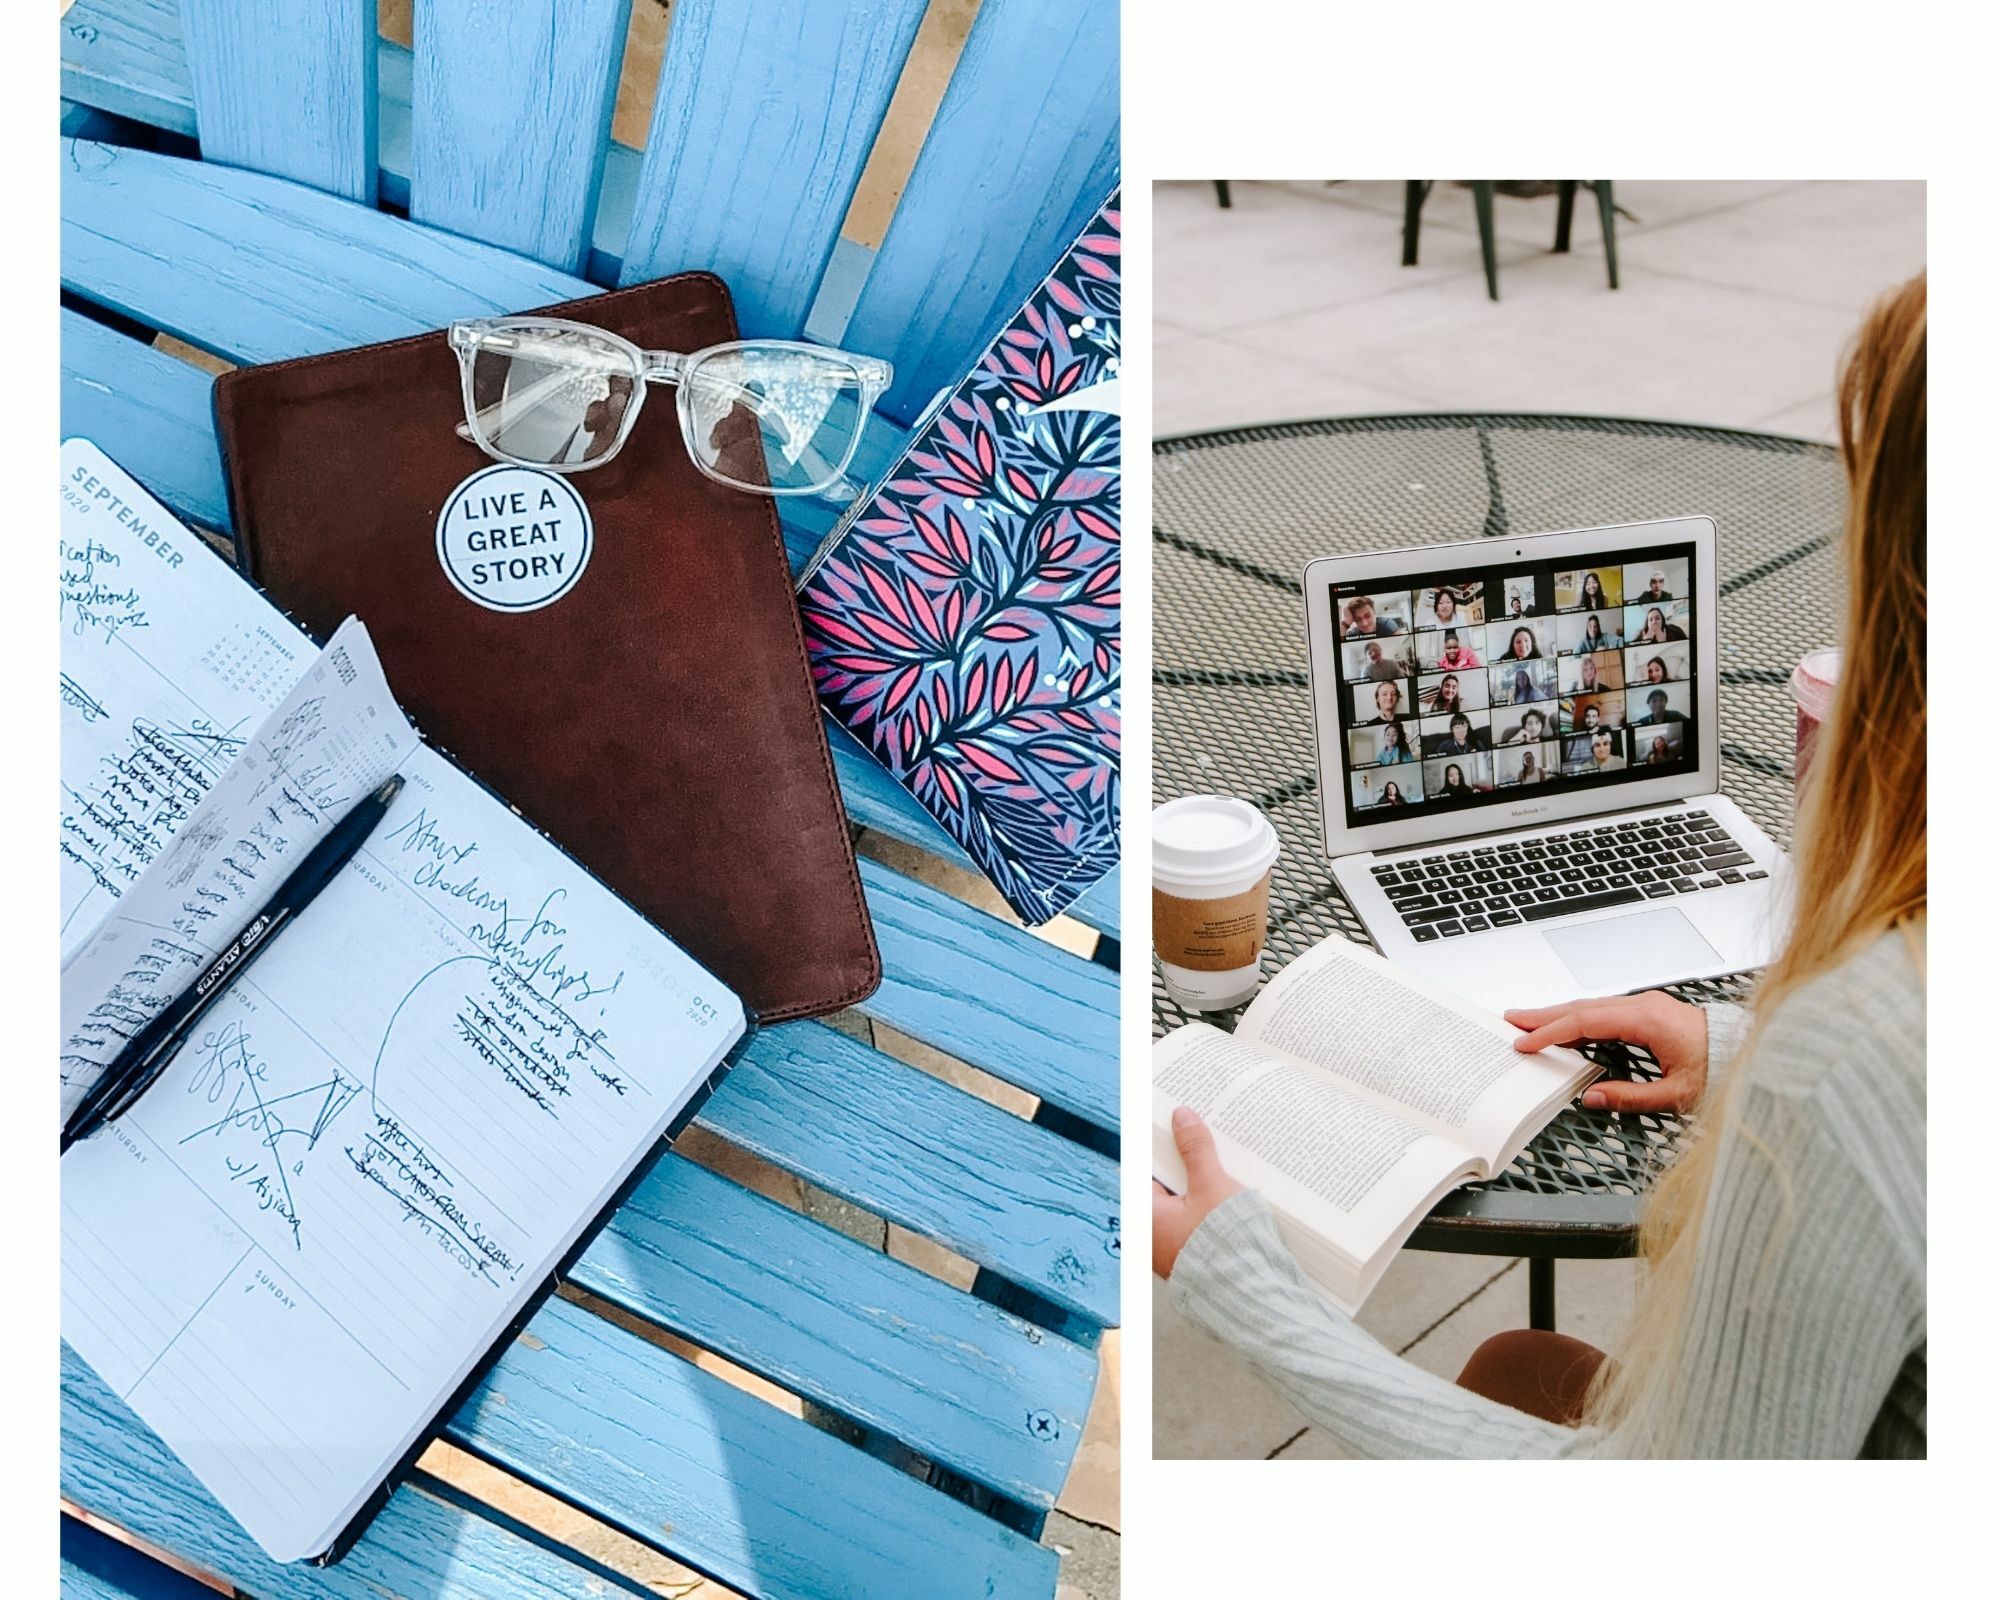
x,y
1236,1279
1808,1286
1727,1026
1808,1292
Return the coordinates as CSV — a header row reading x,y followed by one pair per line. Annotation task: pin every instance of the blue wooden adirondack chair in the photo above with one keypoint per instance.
x,y
346,190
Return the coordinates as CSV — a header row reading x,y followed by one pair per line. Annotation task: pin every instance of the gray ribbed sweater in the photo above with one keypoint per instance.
x,y
1807,1331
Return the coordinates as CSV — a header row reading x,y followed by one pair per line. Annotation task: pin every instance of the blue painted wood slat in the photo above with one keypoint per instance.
x,y
126,57
758,137
1097,907
509,118
257,269
1023,149
96,1566
949,1375
155,408
113,1466
726,1482
1035,1208
979,989
287,89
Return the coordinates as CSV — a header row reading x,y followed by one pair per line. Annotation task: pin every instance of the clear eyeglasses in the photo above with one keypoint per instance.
x,y
768,415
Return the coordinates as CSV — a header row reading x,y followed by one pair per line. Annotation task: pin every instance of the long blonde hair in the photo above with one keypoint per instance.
x,y
1861,847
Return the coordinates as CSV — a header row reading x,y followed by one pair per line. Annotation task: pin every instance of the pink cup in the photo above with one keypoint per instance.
x,y
1813,680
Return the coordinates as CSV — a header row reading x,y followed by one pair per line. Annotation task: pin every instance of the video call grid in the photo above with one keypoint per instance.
x,y
1465,685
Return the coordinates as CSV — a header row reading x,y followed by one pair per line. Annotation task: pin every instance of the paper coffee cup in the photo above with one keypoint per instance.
x,y
1212,860
1813,681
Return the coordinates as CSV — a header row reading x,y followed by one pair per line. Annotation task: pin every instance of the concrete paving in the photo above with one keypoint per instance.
x,y
1736,302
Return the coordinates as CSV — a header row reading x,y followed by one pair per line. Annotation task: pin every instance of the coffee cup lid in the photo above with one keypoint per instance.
x,y
1211,838
1813,680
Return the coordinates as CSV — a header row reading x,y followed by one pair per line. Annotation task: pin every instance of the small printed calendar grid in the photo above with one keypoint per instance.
x,y
251,661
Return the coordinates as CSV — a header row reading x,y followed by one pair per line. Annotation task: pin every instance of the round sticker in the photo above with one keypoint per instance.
x,y
514,539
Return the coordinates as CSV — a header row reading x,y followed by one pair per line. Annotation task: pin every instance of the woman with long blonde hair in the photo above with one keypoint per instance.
x,y
1782,1310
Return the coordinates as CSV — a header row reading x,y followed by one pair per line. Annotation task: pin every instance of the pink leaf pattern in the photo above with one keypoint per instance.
x,y
966,627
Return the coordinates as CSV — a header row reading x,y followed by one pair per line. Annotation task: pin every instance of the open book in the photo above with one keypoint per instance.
x,y
1355,1095
360,1173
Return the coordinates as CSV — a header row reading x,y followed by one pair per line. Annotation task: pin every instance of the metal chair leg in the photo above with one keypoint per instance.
x,y
1482,202
1542,1293
1414,190
1565,210
1607,214
1222,193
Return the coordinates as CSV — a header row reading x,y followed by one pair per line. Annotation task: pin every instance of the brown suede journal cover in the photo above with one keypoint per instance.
x,y
658,721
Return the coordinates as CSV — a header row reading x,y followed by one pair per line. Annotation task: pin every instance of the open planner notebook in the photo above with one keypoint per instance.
x,y
358,1177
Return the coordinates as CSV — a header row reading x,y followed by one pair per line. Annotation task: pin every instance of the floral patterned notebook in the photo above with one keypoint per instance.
x,y
963,623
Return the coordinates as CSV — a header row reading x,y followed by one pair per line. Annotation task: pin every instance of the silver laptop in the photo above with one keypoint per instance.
x,y
1520,763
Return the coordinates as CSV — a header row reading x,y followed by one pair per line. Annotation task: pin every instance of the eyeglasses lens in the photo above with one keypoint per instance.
x,y
557,396
773,417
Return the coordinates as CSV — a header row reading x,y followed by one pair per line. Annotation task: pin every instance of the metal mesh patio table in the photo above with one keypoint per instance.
x,y
1238,514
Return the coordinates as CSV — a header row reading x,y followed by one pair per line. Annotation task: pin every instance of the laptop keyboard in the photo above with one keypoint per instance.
x,y
1483,887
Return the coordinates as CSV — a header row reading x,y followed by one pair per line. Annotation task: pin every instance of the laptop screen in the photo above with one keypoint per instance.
x,y
1459,686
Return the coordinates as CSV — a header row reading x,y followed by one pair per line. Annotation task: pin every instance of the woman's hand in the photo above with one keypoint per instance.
x,y
1176,1216
1675,1032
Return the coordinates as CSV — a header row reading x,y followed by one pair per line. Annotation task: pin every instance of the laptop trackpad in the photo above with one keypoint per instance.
x,y
1612,954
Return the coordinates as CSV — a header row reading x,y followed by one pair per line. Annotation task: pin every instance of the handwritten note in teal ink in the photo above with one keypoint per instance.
x,y
335,737
164,674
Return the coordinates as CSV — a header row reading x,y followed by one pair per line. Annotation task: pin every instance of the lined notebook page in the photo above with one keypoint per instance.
x,y
164,677
336,737
373,1150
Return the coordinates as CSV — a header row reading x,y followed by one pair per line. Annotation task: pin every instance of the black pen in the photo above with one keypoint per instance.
x,y
148,1052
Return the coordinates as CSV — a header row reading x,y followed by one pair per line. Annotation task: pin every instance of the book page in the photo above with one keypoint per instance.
x,y
1353,1172
376,1146
165,673
1415,1047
